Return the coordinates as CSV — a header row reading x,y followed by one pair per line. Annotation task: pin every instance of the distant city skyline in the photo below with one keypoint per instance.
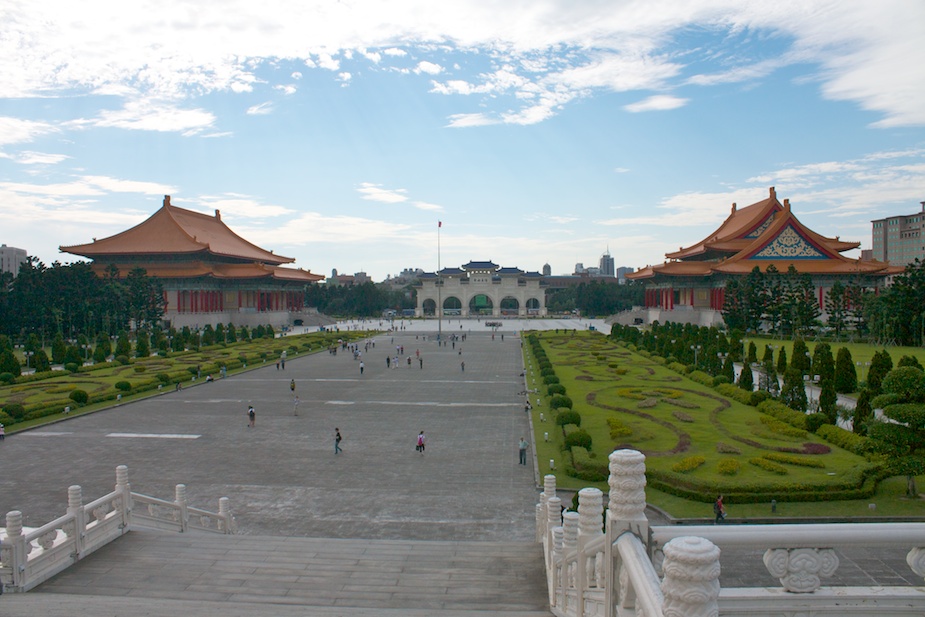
x,y
538,132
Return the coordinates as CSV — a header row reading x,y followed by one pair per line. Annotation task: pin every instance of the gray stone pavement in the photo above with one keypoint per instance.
x,y
284,479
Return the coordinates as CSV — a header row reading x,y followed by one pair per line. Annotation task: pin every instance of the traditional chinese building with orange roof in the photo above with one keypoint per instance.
x,y
210,274
690,285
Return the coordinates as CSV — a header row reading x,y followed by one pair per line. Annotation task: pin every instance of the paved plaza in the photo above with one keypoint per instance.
x,y
284,479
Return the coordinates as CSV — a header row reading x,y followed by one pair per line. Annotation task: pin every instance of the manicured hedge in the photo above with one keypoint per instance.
x,y
783,413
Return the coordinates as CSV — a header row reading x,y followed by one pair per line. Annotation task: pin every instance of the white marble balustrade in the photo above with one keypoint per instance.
x,y
603,566
30,557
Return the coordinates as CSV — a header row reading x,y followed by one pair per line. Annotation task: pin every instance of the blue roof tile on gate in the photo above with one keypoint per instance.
x,y
481,265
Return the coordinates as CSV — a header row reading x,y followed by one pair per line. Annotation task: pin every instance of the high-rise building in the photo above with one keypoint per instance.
x,y
606,266
899,239
11,259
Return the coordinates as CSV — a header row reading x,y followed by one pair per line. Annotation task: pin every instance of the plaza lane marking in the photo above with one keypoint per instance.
x,y
154,435
423,404
45,434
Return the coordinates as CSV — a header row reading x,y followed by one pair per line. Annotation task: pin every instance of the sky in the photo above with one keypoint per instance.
x,y
342,132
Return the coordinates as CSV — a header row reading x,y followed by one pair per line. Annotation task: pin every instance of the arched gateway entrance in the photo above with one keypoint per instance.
x,y
481,288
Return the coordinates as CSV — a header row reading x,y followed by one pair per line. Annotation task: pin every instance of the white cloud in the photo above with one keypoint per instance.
x,y
423,205
39,158
261,109
469,120
868,53
375,192
149,115
15,130
235,206
428,67
287,89
660,102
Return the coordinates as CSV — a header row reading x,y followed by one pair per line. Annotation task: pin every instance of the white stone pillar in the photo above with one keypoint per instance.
x,y
591,514
627,504
691,583
181,502
14,550
553,520
224,510
77,531
570,522
124,489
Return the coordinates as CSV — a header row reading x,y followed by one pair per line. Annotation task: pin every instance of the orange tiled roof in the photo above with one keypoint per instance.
x,y
173,230
193,269
761,235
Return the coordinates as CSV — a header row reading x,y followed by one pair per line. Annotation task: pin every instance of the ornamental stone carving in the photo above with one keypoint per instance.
x,y
916,560
691,583
627,484
799,569
591,512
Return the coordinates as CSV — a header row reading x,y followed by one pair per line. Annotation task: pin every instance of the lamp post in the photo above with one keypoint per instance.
x,y
696,349
28,355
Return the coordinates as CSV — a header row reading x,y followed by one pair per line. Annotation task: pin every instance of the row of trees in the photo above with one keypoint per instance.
x,y
785,304
366,300
596,298
120,347
71,299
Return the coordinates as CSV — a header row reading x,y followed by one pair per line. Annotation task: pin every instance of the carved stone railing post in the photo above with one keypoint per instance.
x,y
799,569
125,490
14,552
591,515
626,509
554,570
181,502
916,560
78,529
691,583
570,526
553,520
227,518
549,491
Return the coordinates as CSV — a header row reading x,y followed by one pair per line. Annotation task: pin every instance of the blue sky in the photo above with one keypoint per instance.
x,y
538,131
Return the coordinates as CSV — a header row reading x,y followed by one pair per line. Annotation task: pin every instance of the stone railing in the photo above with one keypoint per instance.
x,y
30,557
617,566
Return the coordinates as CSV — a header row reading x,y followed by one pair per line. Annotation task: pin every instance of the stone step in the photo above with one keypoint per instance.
x,y
262,575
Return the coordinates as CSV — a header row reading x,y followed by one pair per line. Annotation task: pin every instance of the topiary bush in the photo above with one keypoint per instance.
x,y
568,417
559,401
555,389
124,386
7,378
688,464
815,420
728,466
550,379
71,367
123,360
15,411
164,378
579,438
79,396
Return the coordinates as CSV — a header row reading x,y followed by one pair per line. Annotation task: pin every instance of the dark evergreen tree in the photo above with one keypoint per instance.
x,y
746,379
123,345
880,365
836,306
752,357
782,361
910,361
142,345
9,364
58,349
828,399
793,393
846,377
800,359
862,412
823,362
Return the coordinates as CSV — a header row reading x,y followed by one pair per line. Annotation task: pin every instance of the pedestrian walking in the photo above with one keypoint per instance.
x,y
295,406
2,432
292,387
388,361
522,447
719,510
462,365
251,417
362,366
421,442
337,440
421,362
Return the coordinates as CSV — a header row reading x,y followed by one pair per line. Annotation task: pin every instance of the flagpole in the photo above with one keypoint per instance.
x,y
439,288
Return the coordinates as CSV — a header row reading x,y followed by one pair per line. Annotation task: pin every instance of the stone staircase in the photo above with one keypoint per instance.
x,y
161,574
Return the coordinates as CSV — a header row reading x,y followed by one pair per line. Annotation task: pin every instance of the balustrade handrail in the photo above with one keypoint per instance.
x,y
612,572
29,557
898,535
641,574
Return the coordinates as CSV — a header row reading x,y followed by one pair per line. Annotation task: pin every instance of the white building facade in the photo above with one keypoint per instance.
x,y
481,288
11,259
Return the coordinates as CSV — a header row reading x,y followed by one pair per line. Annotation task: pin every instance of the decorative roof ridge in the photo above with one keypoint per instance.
x,y
779,224
754,215
168,209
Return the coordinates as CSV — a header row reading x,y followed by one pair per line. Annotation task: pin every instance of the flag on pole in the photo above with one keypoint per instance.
x,y
439,223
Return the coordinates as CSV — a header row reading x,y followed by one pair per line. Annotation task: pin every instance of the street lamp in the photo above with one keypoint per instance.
x,y
696,349
28,355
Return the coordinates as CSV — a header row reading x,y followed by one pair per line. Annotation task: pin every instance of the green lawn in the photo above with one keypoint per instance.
x,y
628,400
48,397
